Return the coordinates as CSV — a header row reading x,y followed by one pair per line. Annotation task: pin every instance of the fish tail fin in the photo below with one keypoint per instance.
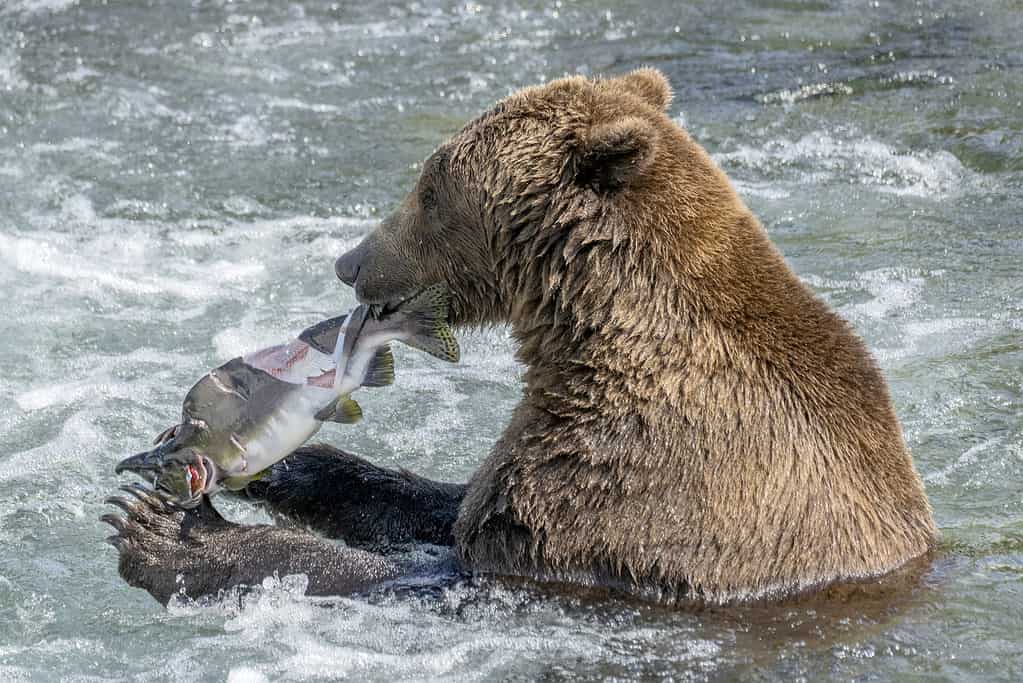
x,y
381,369
342,410
430,332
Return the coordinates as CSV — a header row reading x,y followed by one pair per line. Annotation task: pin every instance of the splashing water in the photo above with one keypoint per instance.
x,y
177,178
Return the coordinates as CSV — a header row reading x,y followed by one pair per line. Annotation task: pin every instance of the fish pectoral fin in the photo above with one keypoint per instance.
x,y
236,483
342,410
240,481
380,372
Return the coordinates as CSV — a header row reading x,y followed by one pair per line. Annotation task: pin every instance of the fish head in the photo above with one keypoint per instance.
x,y
185,475
177,465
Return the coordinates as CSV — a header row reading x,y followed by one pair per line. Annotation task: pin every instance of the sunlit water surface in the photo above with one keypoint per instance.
x,y
176,179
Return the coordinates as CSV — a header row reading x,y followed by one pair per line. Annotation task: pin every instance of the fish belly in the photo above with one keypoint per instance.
x,y
287,428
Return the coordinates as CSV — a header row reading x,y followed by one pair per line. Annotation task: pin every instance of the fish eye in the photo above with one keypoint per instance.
x,y
194,432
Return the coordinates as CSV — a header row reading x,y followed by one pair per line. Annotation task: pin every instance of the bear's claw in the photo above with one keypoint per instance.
x,y
152,536
152,497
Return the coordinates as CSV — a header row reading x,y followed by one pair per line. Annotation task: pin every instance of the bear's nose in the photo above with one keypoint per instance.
x,y
347,267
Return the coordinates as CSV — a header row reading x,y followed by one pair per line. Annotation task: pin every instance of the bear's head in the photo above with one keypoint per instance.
x,y
508,211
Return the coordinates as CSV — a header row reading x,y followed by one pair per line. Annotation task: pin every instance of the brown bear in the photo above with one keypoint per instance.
x,y
695,424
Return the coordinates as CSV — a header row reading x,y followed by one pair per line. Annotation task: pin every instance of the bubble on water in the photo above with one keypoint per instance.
x,y
242,206
245,674
66,392
78,75
10,76
300,639
260,37
202,40
812,91
933,338
137,209
78,209
93,377
248,132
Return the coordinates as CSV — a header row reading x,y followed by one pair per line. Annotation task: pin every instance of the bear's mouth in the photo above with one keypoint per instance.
x,y
394,305
410,303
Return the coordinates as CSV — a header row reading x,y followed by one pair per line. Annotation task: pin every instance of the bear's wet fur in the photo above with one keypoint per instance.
x,y
695,424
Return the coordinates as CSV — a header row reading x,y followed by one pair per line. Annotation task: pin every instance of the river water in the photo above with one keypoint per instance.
x,y
177,177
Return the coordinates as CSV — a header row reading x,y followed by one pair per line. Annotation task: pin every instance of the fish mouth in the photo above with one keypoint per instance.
x,y
200,475
165,471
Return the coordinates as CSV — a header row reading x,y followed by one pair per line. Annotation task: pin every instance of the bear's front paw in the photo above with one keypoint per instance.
x,y
162,547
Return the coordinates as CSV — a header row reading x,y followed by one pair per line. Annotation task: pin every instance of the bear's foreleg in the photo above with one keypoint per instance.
x,y
343,496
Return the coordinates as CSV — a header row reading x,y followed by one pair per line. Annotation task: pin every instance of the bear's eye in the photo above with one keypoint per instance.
x,y
428,199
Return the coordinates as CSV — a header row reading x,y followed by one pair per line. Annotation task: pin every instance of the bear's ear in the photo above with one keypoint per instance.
x,y
649,84
611,155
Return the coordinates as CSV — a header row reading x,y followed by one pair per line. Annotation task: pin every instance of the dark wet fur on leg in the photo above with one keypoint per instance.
x,y
168,551
343,496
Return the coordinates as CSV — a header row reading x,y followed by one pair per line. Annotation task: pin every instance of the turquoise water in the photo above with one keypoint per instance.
x,y
176,179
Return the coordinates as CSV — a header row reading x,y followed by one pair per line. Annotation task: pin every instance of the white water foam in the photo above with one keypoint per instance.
x,y
400,73
101,149
892,313
827,158
123,273
968,458
890,290
37,6
805,92
57,456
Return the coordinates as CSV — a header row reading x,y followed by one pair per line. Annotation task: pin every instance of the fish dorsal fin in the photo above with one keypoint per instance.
x,y
380,372
342,410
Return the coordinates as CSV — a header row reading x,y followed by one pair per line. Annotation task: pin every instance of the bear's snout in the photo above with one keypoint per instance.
x,y
347,267
376,272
